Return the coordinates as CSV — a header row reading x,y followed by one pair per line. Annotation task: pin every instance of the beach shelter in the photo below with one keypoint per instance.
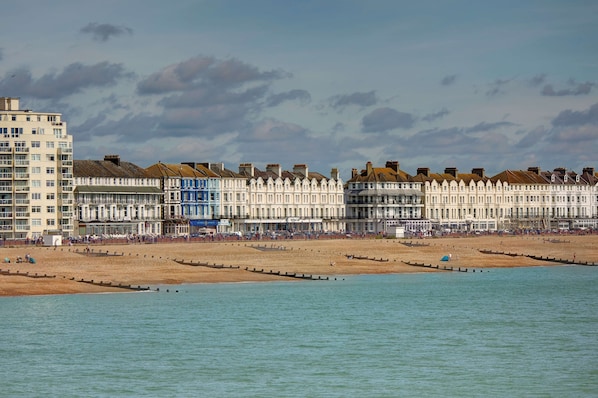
x,y
445,258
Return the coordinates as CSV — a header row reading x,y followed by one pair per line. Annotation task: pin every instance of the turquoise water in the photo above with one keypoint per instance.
x,y
503,333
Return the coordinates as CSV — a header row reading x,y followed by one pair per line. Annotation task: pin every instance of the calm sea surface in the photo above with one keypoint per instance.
x,y
523,332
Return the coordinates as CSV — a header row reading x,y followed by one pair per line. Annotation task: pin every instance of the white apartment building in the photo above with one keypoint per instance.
x,y
36,173
465,201
115,198
573,198
233,198
382,199
170,176
295,201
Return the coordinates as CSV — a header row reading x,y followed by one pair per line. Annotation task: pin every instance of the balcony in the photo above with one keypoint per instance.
x,y
5,215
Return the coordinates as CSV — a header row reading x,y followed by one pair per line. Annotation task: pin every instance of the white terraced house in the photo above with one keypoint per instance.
x,y
293,201
36,173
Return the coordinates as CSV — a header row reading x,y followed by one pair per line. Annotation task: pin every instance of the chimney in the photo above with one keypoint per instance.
x,y
588,170
246,168
479,171
393,165
274,168
560,171
451,170
334,174
535,170
193,165
424,170
301,169
353,173
368,168
112,158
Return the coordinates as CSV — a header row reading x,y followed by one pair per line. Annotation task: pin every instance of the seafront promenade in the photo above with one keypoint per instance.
x,y
110,267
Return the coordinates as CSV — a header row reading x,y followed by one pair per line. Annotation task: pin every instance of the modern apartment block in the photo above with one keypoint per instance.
x,y
115,198
36,173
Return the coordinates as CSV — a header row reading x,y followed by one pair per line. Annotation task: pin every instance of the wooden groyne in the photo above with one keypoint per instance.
x,y
26,274
205,264
295,275
111,284
259,271
411,244
437,267
355,257
541,258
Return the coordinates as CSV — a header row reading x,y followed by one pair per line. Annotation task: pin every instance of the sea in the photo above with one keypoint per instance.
x,y
517,332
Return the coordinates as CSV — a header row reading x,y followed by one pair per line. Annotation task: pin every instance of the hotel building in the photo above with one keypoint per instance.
x,y
36,173
382,199
115,198
295,201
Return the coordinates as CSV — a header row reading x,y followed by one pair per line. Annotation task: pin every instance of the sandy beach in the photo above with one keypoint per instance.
x,y
72,269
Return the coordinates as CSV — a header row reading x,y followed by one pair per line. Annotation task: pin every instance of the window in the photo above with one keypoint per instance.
x,y
50,157
51,209
50,144
35,144
36,170
50,170
36,157
36,196
50,196
36,183
49,183
58,133
50,222
36,209
36,222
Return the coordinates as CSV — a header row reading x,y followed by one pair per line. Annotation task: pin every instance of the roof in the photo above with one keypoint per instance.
x,y
382,174
171,170
519,177
107,168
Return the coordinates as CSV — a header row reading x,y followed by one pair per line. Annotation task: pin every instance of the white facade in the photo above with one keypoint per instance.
x,y
115,198
36,173
233,198
297,201
380,199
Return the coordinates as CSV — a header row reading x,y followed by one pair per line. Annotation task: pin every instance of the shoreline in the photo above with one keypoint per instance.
x,y
72,270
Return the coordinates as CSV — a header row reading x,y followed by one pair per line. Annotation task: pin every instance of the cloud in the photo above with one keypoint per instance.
x,y
533,137
302,96
575,118
74,78
103,32
1,54
384,119
205,71
484,126
537,80
496,87
356,98
437,115
578,89
448,80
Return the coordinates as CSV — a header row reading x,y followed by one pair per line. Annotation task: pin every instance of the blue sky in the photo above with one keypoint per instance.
x,y
499,85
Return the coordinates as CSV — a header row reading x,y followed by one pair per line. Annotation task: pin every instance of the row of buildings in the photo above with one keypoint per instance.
x,y
44,190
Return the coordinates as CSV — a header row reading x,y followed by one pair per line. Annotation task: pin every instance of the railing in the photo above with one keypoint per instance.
x,y
5,215
22,201
21,214
22,176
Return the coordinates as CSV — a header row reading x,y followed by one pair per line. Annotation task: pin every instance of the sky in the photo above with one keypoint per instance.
x,y
328,83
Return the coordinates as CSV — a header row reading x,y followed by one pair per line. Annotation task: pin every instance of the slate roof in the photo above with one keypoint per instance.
x,y
519,177
381,174
171,170
107,168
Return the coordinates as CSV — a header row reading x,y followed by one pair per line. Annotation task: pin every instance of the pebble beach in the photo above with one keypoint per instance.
x,y
130,267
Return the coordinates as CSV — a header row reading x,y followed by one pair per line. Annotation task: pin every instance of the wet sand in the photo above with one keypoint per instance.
x,y
69,269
